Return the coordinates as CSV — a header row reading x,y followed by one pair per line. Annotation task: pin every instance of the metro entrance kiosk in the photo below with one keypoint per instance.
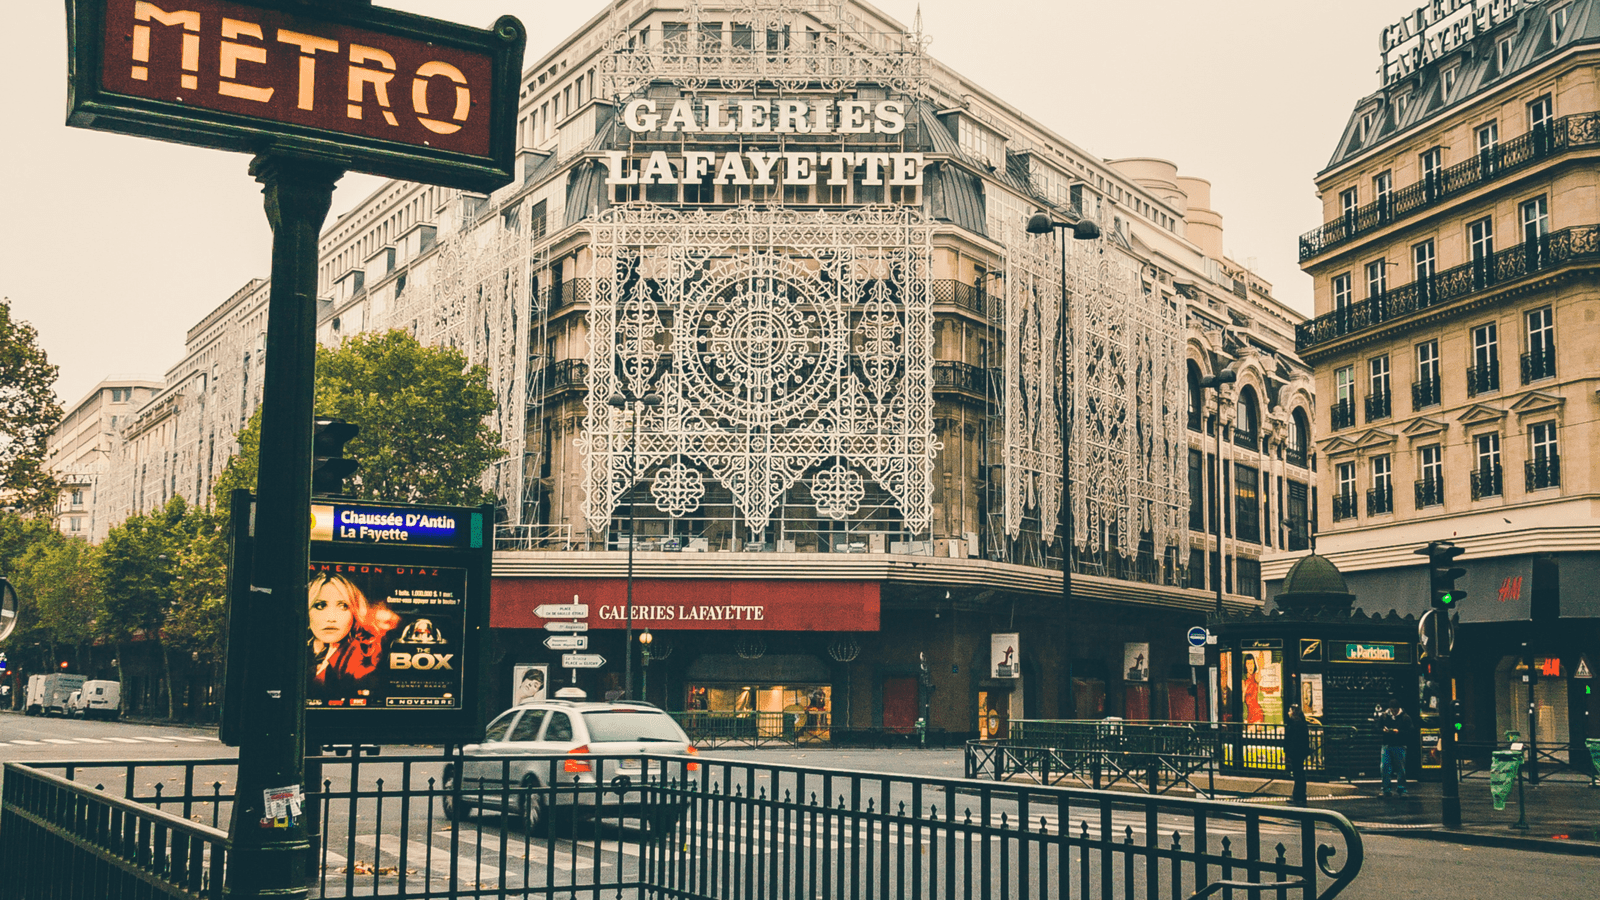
x,y
241,75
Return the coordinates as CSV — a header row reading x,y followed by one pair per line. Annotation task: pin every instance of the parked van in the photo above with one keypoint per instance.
x,y
97,700
52,693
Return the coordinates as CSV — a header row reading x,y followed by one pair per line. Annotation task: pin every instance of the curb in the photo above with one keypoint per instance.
x,y
1507,841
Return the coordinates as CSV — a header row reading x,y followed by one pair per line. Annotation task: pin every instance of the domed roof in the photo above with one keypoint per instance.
x,y
1314,575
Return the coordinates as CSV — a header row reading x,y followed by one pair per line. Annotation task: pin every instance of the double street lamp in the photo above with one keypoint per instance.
x,y
631,404
1082,230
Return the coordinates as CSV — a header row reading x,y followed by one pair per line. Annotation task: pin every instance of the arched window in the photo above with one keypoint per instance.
x,y
1247,419
1194,396
1300,439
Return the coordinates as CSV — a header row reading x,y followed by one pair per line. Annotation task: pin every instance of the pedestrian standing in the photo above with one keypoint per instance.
x,y
1296,747
1395,726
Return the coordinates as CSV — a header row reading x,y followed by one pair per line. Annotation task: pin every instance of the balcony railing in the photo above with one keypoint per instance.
x,y
1424,393
1483,379
967,296
1556,249
1343,414
1543,472
1538,364
1566,133
959,376
1486,482
1380,500
1296,456
1377,406
1430,492
1344,507
561,375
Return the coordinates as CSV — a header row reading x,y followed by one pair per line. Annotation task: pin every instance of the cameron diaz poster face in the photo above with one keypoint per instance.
x,y
385,637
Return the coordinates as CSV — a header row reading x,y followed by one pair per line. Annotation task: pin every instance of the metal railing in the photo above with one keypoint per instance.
x,y
1378,406
1579,243
1565,133
966,296
1342,414
701,827
557,536
1344,507
1486,482
1543,472
953,375
1380,500
1430,492
1538,364
560,376
68,839
1424,394
1483,379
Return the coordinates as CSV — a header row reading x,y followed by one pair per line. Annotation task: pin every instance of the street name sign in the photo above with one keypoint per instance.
x,y
567,642
582,661
566,626
362,87
562,611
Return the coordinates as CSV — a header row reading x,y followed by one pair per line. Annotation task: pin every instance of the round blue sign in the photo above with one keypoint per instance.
x,y
1197,636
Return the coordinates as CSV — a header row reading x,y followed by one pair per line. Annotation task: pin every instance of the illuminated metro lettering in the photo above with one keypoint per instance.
x,y
190,22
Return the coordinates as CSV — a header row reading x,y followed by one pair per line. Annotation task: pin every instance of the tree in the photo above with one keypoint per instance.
x,y
28,414
138,572
421,411
60,578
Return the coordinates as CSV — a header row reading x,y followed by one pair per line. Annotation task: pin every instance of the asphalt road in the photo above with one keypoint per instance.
x,y
368,856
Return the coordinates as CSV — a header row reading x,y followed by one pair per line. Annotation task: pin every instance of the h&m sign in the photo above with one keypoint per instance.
x,y
380,91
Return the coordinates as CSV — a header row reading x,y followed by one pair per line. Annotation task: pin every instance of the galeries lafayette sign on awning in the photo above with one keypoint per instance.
x,y
385,92
694,604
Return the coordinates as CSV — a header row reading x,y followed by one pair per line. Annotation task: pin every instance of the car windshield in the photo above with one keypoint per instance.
x,y
623,725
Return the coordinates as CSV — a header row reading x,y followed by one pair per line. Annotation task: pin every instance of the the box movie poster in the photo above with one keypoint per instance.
x,y
385,637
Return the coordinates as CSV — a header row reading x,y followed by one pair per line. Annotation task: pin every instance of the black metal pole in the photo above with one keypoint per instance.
x,y
1450,790
633,537
1066,444
1216,565
268,857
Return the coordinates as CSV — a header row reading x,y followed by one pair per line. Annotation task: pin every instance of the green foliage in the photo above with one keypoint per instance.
x,y
59,577
28,414
421,412
197,618
138,565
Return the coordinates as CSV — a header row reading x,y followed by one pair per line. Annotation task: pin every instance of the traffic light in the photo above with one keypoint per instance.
x,y
1457,715
1442,574
329,467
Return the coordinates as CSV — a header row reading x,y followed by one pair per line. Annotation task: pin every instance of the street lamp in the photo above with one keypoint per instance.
x,y
631,404
1082,230
644,660
1227,376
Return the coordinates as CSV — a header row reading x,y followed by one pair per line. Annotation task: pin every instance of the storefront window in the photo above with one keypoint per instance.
x,y
787,711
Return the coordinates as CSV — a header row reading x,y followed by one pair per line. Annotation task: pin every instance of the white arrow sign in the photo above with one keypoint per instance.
x,y
562,611
567,642
566,626
582,660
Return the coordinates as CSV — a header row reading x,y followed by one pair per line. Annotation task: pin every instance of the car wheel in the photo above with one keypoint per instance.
x,y
454,808
532,813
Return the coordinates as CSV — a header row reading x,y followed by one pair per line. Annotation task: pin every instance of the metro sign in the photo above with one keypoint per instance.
x,y
374,90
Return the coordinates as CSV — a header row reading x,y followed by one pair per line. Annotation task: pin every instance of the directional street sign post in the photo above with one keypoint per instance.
x,y
582,660
567,642
566,626
562,610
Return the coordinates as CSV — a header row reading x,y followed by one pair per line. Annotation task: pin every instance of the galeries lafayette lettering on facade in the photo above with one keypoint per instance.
x,y
694,604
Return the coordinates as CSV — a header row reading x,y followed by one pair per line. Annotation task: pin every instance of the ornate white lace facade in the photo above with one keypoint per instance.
x,y
784,344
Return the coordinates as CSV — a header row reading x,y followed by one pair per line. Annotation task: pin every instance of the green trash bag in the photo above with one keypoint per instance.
x,y
1503,775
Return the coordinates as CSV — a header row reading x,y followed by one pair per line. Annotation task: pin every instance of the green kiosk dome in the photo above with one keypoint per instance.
x,y
1314,586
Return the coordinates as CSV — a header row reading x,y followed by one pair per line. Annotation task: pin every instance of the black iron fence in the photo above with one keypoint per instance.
x,y
686,827
1558,248
1574,131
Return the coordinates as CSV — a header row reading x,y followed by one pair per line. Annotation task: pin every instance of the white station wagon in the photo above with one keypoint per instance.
x,y
492,776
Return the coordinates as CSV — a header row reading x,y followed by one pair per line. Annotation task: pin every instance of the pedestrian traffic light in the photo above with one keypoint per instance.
x,y
1442,574
329,467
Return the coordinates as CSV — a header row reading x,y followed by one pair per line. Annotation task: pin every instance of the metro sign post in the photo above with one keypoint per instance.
x,y
312,90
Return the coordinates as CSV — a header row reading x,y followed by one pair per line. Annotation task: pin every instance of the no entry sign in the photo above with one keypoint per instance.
x,y
376,90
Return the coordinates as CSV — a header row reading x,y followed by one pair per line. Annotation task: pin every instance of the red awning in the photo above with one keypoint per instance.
x,y
694,604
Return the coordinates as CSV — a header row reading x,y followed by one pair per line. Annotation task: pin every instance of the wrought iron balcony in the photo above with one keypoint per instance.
x,y
1539,364
949,375
1486,482
1380,500
1343,414
1564,134
1377,406
1430,492
967,296
1424,394
1543,472
1296,456
1556,249
1483,379
560,376
1344,507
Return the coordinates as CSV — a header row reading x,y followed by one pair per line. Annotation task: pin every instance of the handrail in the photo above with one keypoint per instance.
x,y
1581,242
1569,132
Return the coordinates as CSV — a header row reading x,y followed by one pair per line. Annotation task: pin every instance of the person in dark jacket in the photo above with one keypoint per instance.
x,y
1296,747
1395,727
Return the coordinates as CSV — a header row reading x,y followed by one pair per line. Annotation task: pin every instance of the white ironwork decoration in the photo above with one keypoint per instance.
x,y
1125,386
781,341
678,489
791,45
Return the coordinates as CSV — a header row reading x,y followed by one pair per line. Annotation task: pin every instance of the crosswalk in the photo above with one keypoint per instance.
x,y
143,739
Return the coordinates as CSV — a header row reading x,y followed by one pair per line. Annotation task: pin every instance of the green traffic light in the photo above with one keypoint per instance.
x,y
1447,599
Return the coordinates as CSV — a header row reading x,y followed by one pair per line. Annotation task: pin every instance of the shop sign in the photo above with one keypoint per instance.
x,y
379,91
1310,649
1378,653
1441,27
691,604
1003,661
415,526
788,166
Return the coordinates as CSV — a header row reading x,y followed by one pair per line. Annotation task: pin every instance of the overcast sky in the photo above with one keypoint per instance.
x,y
113,247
